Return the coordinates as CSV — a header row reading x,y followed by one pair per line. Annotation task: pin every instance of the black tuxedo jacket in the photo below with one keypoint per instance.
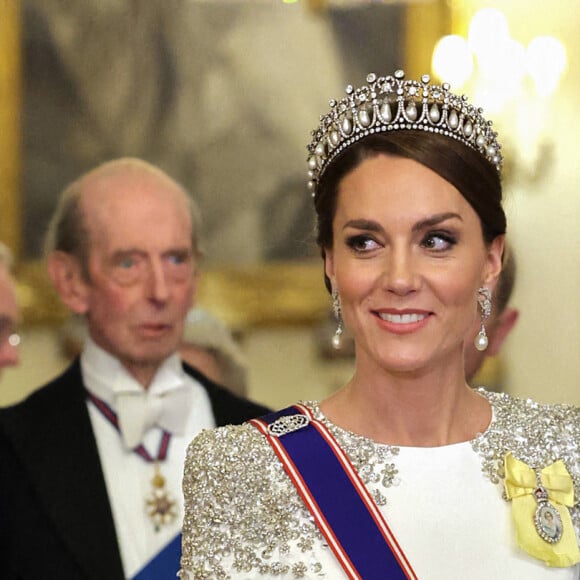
x,y
55,518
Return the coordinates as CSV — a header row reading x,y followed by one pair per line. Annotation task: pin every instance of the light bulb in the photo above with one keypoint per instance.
x,y
452,61
546,62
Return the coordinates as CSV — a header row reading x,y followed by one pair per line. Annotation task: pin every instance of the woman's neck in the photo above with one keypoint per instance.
x,y
428,410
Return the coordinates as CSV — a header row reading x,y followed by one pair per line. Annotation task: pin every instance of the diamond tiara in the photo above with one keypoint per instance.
x,y
391,103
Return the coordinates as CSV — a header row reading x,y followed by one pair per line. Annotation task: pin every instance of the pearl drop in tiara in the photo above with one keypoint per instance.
x,y
391,103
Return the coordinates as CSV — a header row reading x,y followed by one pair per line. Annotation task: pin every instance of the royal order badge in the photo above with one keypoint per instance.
x,y
547,518
161,507
541,500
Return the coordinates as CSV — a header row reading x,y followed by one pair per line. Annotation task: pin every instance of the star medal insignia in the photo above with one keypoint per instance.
x,y
161,507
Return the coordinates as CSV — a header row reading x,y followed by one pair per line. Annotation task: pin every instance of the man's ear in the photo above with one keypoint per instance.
x,y
65,272
194,286
501,328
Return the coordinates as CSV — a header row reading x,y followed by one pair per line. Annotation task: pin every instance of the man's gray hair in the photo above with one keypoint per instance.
x,y
67,231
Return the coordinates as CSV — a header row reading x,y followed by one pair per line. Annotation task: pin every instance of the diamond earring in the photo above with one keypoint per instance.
x,y
337,309
484,302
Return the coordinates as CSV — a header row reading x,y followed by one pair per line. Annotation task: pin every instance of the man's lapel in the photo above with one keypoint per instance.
x,y
59,452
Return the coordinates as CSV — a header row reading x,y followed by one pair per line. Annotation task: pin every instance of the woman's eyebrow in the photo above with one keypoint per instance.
x,y
362,224
435,220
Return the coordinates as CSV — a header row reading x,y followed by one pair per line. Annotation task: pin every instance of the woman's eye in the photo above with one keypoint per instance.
x,y
362,243
439,242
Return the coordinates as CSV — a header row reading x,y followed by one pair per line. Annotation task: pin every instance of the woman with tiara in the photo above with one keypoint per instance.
x,y
405,472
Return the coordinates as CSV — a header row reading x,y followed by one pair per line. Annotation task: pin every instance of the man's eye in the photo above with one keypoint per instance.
x,y
126,263
179,258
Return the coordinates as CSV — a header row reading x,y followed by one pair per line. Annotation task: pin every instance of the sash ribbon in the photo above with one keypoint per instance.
x,y
164,565
331,488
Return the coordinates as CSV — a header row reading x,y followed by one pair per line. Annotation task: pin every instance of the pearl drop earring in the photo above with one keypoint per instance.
x,y
337,309
484,301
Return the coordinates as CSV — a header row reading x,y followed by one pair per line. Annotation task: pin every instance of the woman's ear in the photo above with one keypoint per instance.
x,y
329,265
494,261
67,277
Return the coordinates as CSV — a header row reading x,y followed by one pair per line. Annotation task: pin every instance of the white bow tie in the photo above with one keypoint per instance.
x,y
138,411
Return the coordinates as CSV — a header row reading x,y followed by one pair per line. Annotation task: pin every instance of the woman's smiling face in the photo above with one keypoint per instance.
x,y
407,259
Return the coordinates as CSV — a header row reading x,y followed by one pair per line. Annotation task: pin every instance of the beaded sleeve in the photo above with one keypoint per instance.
x,y
243,516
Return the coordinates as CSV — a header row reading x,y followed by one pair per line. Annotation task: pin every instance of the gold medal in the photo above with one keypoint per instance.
x,y
161,507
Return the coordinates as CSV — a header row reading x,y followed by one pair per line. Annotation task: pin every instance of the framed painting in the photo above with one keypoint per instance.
x,y
222,95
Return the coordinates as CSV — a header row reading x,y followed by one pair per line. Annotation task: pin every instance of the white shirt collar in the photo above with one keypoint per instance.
x,y
105,376
166,403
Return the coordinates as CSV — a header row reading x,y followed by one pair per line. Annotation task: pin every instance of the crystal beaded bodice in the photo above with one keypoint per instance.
x,y
244,517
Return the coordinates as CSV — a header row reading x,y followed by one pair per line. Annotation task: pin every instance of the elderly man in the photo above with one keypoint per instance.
x,y
90,485
9,316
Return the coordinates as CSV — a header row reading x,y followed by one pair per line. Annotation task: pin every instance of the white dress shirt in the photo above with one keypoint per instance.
x,y
127,475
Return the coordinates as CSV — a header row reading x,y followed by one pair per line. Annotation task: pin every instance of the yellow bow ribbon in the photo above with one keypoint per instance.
x,y
520,483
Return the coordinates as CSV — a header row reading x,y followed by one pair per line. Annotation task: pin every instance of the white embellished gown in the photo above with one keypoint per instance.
x,y
446,506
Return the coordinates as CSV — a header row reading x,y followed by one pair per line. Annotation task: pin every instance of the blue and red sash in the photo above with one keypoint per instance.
x,y
164,565
333,491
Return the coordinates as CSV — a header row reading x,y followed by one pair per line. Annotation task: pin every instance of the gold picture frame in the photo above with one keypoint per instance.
x,y
264,294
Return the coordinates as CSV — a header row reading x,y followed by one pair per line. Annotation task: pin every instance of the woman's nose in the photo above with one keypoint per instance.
x,y
400,273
